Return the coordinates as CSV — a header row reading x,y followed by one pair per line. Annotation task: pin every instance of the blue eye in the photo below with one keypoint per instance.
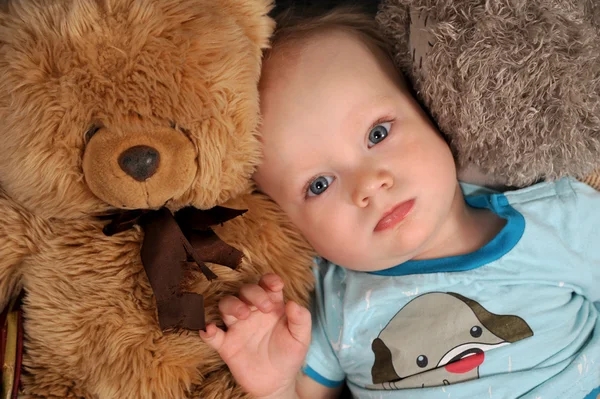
x,y
378,133
319,185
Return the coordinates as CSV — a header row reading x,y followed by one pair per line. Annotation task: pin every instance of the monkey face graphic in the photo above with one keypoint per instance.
x,y
439,339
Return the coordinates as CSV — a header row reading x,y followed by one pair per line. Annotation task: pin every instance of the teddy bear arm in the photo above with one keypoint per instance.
x,y
14,249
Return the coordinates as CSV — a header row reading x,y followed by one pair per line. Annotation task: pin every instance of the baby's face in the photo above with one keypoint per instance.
x,y
350,156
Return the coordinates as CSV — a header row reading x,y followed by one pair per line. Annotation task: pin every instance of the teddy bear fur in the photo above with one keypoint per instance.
x,y
83,81
514,85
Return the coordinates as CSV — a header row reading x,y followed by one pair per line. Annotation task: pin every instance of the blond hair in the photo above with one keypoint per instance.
x,y
293,27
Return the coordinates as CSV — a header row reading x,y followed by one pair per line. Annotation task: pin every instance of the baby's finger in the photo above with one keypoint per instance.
x,y
273,285
233,309
213,336
255,295
299,322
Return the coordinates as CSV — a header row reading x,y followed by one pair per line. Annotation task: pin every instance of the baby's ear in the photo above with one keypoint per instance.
x,y
252,16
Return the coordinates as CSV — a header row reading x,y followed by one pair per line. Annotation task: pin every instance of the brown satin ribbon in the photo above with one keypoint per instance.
x,y
171,242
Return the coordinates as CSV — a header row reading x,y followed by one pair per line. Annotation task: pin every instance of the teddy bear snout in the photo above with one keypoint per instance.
x,y
140,162
139,169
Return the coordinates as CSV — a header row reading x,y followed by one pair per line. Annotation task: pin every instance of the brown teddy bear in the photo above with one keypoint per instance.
x,y
515,86
133,111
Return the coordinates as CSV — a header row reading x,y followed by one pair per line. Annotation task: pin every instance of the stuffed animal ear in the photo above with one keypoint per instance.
x,y
77,17
420,40
515,87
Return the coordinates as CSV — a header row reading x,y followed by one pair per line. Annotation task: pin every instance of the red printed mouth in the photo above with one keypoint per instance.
x,y
395,215
466,361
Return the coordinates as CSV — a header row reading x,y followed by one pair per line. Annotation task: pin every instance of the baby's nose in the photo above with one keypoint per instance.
x,y
369,184
140,162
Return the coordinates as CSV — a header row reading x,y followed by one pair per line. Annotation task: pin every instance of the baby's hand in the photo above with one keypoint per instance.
x,y
266,340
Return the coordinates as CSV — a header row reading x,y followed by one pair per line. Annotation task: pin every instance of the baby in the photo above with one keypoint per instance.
x,y
421,291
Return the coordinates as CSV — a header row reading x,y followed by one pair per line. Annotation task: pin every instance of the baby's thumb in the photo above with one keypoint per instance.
x,y
213,336
299,322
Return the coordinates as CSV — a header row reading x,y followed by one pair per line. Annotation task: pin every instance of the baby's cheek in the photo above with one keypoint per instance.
x,y
332,230
323,238
349,253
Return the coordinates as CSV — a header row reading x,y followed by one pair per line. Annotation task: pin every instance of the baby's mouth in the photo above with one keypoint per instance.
x,y
395,215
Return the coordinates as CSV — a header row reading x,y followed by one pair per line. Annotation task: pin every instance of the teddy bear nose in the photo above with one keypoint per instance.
x,y
139,162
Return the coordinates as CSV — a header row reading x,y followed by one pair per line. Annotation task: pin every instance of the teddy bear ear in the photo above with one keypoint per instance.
x,y
253,17
77,17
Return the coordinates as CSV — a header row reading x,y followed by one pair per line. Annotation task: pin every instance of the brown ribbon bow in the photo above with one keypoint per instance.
x,y
170,242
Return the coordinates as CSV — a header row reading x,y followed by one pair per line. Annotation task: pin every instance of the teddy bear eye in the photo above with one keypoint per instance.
x,y
174,125
92,131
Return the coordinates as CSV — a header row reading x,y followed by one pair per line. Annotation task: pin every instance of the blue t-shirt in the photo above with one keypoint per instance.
x,y
518,318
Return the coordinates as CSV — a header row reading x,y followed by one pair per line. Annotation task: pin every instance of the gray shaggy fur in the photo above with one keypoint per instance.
x,y
514,84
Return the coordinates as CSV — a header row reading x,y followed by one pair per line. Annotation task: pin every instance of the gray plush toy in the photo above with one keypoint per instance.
x,y
514,85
